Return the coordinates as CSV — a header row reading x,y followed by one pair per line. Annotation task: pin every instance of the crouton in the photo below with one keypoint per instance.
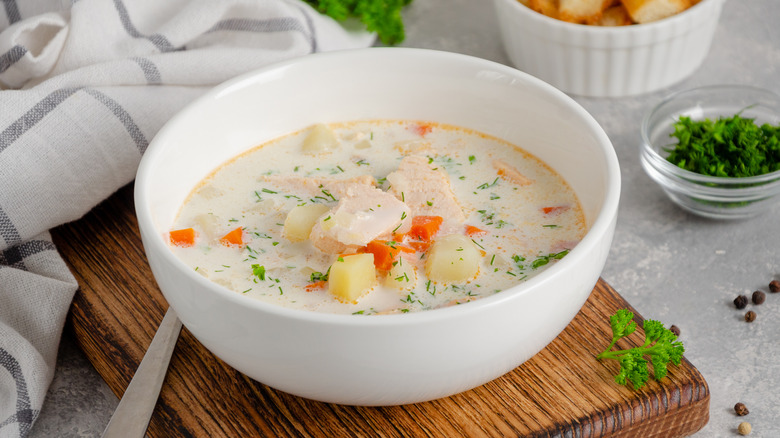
x,y
645,11
614,16
582,11
546,7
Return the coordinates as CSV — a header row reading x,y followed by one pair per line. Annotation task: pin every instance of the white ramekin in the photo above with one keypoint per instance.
x,y
601,61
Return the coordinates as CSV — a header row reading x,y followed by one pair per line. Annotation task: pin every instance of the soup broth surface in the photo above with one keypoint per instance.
x,y
368,183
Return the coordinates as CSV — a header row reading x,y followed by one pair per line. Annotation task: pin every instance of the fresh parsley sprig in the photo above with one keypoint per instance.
x,y
380,16
660,346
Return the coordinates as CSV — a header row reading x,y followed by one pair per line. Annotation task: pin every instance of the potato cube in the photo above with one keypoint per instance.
x,y
301,219
351,277
320,139
208,224
363,144
452,259
401,276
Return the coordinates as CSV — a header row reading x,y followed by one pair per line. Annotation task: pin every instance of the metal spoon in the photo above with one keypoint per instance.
x,y
132,415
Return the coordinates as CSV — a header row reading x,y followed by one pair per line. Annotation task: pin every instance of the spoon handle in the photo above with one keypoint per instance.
x,y
132,415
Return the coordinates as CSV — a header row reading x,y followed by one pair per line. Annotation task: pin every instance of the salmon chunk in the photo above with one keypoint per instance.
x,y
426,191
364,213
508,172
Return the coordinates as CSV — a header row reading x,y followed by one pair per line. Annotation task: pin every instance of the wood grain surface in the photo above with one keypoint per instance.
x,y
561,392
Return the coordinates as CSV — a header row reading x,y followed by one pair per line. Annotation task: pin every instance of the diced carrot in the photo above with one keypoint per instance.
x,y
473,231
184,237
554,210
385,253
235,237
425,227
314,286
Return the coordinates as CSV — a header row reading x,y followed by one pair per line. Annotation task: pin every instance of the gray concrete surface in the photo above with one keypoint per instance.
x,y
671,266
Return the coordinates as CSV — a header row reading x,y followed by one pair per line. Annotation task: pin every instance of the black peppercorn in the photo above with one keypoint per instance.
x,y
758,297
741,409
774,286
741,301
750,316
674,329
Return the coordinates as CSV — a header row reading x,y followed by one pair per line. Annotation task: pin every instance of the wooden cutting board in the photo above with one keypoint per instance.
x,y
563,391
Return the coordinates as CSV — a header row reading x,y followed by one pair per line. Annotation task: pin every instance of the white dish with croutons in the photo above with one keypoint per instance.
x,y
608,48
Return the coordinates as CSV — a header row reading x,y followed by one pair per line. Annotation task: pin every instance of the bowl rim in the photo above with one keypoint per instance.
x,y
660,25
600,226
670,170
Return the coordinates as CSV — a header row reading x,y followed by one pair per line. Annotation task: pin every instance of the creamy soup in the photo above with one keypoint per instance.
x,y
377,217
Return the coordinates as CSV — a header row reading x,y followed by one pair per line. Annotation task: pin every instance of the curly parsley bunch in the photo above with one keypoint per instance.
x,y
380,16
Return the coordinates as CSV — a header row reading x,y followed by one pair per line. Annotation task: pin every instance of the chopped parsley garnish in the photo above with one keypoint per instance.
x,y
488,218
726,147
488,185
319,276
329,195
545,259
259,271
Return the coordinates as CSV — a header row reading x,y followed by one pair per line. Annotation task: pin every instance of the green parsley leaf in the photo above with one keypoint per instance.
x,y
258,271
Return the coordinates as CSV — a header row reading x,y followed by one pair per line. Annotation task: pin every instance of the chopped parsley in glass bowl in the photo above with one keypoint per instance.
x,y
715,150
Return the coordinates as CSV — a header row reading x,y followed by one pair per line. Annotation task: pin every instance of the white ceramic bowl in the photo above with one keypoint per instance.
x,y
608,61
387,359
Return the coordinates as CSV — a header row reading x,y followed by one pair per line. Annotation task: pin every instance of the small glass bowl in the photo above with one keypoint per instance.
x,y
709,196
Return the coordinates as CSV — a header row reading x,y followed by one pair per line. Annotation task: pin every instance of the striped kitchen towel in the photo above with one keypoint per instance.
x,y
84,86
